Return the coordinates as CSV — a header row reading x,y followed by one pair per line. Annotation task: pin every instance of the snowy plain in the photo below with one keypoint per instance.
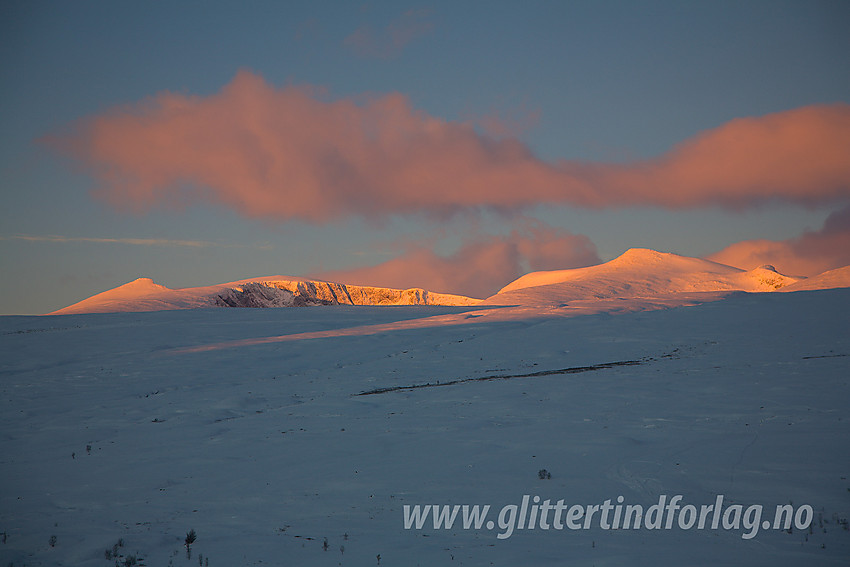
x,y
139,427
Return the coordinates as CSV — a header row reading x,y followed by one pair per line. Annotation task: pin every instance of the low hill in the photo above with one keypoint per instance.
x,y
638,273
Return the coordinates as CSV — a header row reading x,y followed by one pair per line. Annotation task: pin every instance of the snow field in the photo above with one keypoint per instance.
x,y
266,450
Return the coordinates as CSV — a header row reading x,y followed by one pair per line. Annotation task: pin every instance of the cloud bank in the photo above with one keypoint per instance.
x,y
479,268
812,253
290,153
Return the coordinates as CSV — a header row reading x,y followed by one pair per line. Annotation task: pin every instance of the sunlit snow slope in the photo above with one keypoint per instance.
x,y
828,280
274,291
641,274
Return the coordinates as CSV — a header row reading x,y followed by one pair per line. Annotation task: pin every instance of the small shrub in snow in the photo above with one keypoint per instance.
x,y
114,553
190,539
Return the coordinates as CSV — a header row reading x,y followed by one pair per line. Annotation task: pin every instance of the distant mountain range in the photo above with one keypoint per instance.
x,y
638,276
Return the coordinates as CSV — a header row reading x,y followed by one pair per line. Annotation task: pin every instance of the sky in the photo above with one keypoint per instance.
x,y
452,146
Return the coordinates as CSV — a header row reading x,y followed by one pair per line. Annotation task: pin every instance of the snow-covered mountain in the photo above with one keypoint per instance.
x,y
641,274
273,291
640,279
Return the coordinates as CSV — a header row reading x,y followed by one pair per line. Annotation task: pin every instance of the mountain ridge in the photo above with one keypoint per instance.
x,y
143,294
641,273
637,275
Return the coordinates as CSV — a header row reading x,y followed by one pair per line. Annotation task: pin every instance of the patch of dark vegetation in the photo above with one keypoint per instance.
x,y
44,330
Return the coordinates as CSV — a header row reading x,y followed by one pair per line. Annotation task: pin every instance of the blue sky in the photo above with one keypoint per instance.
x,y
600,82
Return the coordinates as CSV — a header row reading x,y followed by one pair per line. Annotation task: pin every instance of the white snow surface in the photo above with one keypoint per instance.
x,y
271,431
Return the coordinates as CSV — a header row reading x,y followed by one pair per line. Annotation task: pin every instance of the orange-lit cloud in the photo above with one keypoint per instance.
x,y
479,268
391,40
810,254
285,153
798,156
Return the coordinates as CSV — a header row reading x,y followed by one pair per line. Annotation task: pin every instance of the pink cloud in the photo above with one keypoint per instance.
x,y
391,40
798,156
479,268
810,254
286,153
